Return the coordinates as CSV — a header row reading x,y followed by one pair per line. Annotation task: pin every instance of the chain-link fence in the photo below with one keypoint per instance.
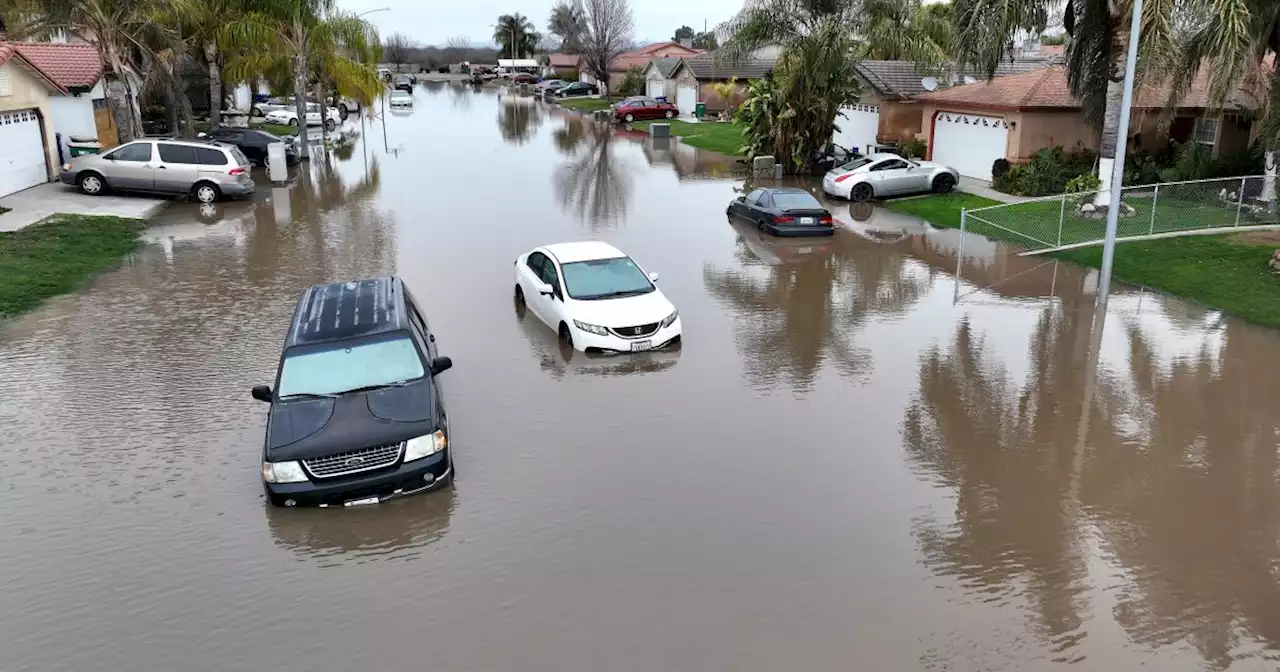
x,y
1146,211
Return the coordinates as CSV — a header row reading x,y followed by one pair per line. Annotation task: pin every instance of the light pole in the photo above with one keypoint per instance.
x,y
1122,142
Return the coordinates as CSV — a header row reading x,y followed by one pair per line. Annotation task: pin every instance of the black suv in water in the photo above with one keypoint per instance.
x,y
356,414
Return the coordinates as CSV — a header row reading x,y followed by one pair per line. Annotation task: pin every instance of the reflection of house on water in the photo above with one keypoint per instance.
x,y
688,162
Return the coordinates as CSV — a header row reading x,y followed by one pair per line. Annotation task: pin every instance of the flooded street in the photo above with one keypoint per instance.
x,y
857,461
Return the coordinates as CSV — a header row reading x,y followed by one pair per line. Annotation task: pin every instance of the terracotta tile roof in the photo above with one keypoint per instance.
x,y
639,58
9,51
1047,89
65,65
564,60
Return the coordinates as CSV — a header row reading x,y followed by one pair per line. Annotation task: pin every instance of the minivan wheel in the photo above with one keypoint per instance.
x,y
861,193
205,192
329,125
91,184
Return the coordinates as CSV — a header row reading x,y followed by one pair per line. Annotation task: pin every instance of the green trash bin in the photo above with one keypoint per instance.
x,y
81,148
700,110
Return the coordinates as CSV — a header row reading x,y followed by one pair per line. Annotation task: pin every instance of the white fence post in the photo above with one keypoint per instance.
x,y
964,214
1154,200
1062,215
1240,199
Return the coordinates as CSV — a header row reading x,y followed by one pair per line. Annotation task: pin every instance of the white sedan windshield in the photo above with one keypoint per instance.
x,y
605,278
340,367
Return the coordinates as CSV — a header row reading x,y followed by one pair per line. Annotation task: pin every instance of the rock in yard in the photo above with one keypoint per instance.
x,y
1275,262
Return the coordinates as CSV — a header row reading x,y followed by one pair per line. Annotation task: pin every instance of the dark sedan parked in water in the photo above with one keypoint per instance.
x,y
784,211
253,143
356,414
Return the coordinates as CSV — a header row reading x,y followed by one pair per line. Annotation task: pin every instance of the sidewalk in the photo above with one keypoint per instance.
x,y
982,188
32,205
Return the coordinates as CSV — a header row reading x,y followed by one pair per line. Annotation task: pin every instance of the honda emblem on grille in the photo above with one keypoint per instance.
x,y
355,462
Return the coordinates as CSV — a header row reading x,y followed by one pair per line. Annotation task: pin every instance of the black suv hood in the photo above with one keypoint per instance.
x,y
310,428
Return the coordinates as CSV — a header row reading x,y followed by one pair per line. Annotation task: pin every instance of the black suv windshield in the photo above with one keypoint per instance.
x,y
334,368
605,279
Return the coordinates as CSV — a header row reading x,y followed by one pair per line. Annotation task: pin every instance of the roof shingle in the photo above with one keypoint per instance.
x,y
902,78
708,67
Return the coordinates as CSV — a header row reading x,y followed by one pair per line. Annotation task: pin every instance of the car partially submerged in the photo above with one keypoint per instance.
x,y
782,211
884,174
356,411
401,99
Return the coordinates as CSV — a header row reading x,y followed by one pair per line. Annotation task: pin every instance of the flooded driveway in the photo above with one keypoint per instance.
x,y
885,450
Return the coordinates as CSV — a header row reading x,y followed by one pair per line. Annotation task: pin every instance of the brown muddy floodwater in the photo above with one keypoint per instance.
x,y
857,462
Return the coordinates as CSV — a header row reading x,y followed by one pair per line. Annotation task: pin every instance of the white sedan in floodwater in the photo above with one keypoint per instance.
x,y
596,298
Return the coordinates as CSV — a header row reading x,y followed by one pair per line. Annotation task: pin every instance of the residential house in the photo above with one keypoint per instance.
x,y
970,127
888,112
76,68
28,146
658,79
638,59
691,80
563,63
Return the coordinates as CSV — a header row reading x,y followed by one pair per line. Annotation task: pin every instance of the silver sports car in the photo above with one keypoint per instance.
x,y
879,175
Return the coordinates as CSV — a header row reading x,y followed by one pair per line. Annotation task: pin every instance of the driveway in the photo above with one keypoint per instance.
x,y
32,205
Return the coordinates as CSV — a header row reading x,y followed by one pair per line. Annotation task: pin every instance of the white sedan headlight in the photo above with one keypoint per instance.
x,y
666,322
423,446
592,328
283,472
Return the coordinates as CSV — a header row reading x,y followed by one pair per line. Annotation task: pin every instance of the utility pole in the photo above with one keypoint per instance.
x,y
1122,142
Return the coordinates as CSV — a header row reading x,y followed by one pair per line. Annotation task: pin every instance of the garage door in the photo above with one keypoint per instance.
x,y
21,152
686,100
656,88
969,143
857,128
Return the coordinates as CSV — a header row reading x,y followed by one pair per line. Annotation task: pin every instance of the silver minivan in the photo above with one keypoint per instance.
x,y
205,170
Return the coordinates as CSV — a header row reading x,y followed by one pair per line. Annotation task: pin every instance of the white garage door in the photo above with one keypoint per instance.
x,y
21,152
970,143
686,100
857,128
656,88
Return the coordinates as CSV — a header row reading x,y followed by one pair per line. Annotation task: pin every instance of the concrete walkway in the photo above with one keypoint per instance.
x,y
32,205
983,188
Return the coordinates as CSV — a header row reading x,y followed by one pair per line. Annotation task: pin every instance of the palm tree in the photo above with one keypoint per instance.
x,y
568,24
204,25
813,78
307,34
1099,29
516,35
907,30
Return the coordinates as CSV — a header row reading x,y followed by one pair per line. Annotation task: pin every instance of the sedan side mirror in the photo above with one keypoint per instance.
x,y
440,364
544,289
261,393
653,277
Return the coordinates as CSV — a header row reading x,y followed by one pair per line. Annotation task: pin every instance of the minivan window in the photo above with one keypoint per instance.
x,y
138,151
177,153
210,157
334,368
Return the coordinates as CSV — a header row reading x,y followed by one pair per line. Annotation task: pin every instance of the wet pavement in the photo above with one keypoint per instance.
x,y
885,450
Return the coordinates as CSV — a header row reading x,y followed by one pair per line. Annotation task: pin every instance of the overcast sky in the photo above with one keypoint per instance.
x,y
436,22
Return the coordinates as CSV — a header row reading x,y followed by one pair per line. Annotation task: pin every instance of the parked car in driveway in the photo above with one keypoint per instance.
x,y
782,211
401,99
596,298
253,143
880,175
205,170
262,108
289,117
641,108
577,89
357,415
524,78
549,85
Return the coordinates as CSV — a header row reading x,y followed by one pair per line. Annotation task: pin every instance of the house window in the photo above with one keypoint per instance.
x,y
1206,132
5,88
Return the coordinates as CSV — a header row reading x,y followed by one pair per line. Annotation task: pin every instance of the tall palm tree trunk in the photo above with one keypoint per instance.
x,y
215,85
300,101
1111,127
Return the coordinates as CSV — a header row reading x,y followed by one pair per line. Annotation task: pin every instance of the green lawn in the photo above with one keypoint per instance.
x,y
58,255
589,104
1215,270
723,138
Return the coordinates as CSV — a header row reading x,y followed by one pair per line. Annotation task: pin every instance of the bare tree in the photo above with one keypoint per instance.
x,y
457,49
396,48
608,33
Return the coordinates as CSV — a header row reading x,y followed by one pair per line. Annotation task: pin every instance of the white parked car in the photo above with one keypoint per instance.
x,y
401,99
289,117
597,298
880,175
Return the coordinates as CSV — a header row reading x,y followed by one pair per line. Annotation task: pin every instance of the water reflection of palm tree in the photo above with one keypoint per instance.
x,y
801,312
570,136
594,184
517,119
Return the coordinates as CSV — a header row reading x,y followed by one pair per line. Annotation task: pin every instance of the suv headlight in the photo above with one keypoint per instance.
x,y
283,472
422,446
593,328
670,319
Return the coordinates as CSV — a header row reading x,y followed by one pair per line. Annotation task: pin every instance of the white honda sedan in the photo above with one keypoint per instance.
x,y
596,298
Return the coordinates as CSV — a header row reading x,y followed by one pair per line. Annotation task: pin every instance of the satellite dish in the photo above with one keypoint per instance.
x,y
969,80
929,83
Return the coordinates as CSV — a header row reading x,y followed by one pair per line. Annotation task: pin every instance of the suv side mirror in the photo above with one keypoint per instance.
x,y
440,364
261,393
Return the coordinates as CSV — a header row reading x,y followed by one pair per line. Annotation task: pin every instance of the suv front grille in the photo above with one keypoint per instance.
x,y
355,461
635,332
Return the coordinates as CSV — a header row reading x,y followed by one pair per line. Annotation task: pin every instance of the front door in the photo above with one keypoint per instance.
x,y
130,167
177,169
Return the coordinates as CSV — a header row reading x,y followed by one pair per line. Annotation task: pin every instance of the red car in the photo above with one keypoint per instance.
x,y
635,109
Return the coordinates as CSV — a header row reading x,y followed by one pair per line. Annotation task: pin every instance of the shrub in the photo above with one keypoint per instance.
x,y
632,84
1047,173
914,148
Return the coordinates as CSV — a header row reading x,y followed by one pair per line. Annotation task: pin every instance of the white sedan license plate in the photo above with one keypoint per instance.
x,y
640,346
806,220
361,502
